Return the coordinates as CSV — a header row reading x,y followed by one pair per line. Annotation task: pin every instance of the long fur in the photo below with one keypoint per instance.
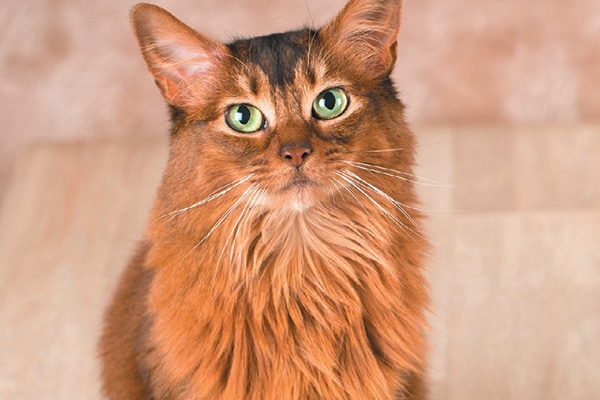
x,y
262,280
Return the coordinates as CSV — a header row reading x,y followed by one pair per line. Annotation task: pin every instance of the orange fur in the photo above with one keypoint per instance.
x,y
263,279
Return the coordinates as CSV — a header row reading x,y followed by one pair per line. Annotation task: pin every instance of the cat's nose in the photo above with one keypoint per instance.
x,y
295,155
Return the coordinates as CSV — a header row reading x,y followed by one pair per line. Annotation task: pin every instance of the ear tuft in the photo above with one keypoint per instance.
x,y
182,61
367,31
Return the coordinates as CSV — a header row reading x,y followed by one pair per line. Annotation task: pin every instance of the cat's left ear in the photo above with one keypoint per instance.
x,y
367,31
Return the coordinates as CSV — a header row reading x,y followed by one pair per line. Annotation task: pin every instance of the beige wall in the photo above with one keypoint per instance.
x,y
70,68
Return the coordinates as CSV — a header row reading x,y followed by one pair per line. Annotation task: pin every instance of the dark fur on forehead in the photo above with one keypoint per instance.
x,y
277,54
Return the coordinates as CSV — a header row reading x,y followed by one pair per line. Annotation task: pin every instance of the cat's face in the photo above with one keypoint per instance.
x,y
293,126
288,121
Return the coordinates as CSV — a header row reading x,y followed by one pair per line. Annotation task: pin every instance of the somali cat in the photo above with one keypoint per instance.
x,y
283,257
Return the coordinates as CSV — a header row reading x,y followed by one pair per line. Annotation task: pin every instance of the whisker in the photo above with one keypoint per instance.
x,y
246,215
235,228
255,202
405,176
223,218
214,195
332,190
227,213
255,194
420,181
348,178
350,192
362,186
376,151
395,202
239,61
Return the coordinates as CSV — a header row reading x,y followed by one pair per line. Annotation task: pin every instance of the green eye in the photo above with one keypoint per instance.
x,y
330,104
245,118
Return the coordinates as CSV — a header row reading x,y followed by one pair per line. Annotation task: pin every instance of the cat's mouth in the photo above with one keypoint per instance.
x,y
300,182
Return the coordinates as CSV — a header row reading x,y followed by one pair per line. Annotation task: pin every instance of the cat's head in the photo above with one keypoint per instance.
x,y
286,121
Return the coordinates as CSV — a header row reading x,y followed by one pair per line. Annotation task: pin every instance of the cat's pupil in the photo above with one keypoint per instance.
x,y
243,115
329,101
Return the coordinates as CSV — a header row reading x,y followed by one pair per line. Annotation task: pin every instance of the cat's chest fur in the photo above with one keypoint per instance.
x,y
288,309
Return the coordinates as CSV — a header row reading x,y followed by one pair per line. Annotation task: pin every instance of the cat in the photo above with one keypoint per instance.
x,y
284,254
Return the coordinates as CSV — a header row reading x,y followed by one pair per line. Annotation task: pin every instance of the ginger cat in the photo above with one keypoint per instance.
x,y
284,257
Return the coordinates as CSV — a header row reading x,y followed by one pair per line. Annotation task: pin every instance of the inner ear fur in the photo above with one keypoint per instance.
x,y
367,31
184,63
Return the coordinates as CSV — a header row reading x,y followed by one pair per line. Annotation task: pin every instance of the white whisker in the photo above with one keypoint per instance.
x,y
256,194
377,151
345,175
245,216
214,195
405,176
395,202
363,186
350,191
227,213
223,218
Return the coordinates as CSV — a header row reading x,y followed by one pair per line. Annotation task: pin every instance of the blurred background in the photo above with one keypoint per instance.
x,y
502,95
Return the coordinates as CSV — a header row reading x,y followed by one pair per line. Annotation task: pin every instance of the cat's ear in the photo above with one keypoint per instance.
x,y
184,63
367,31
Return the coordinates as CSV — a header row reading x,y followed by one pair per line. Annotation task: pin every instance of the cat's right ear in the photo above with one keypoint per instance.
x,y
184,63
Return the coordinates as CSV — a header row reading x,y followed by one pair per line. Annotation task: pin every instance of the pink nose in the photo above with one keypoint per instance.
x,y
295,155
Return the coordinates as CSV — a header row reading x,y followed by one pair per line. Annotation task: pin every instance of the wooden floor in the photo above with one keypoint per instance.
x,y
515,221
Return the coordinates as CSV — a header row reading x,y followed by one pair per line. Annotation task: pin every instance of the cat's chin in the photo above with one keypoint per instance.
x,y
299,195
299,205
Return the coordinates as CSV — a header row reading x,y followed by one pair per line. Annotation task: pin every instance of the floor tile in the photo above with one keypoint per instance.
x,y
524,311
